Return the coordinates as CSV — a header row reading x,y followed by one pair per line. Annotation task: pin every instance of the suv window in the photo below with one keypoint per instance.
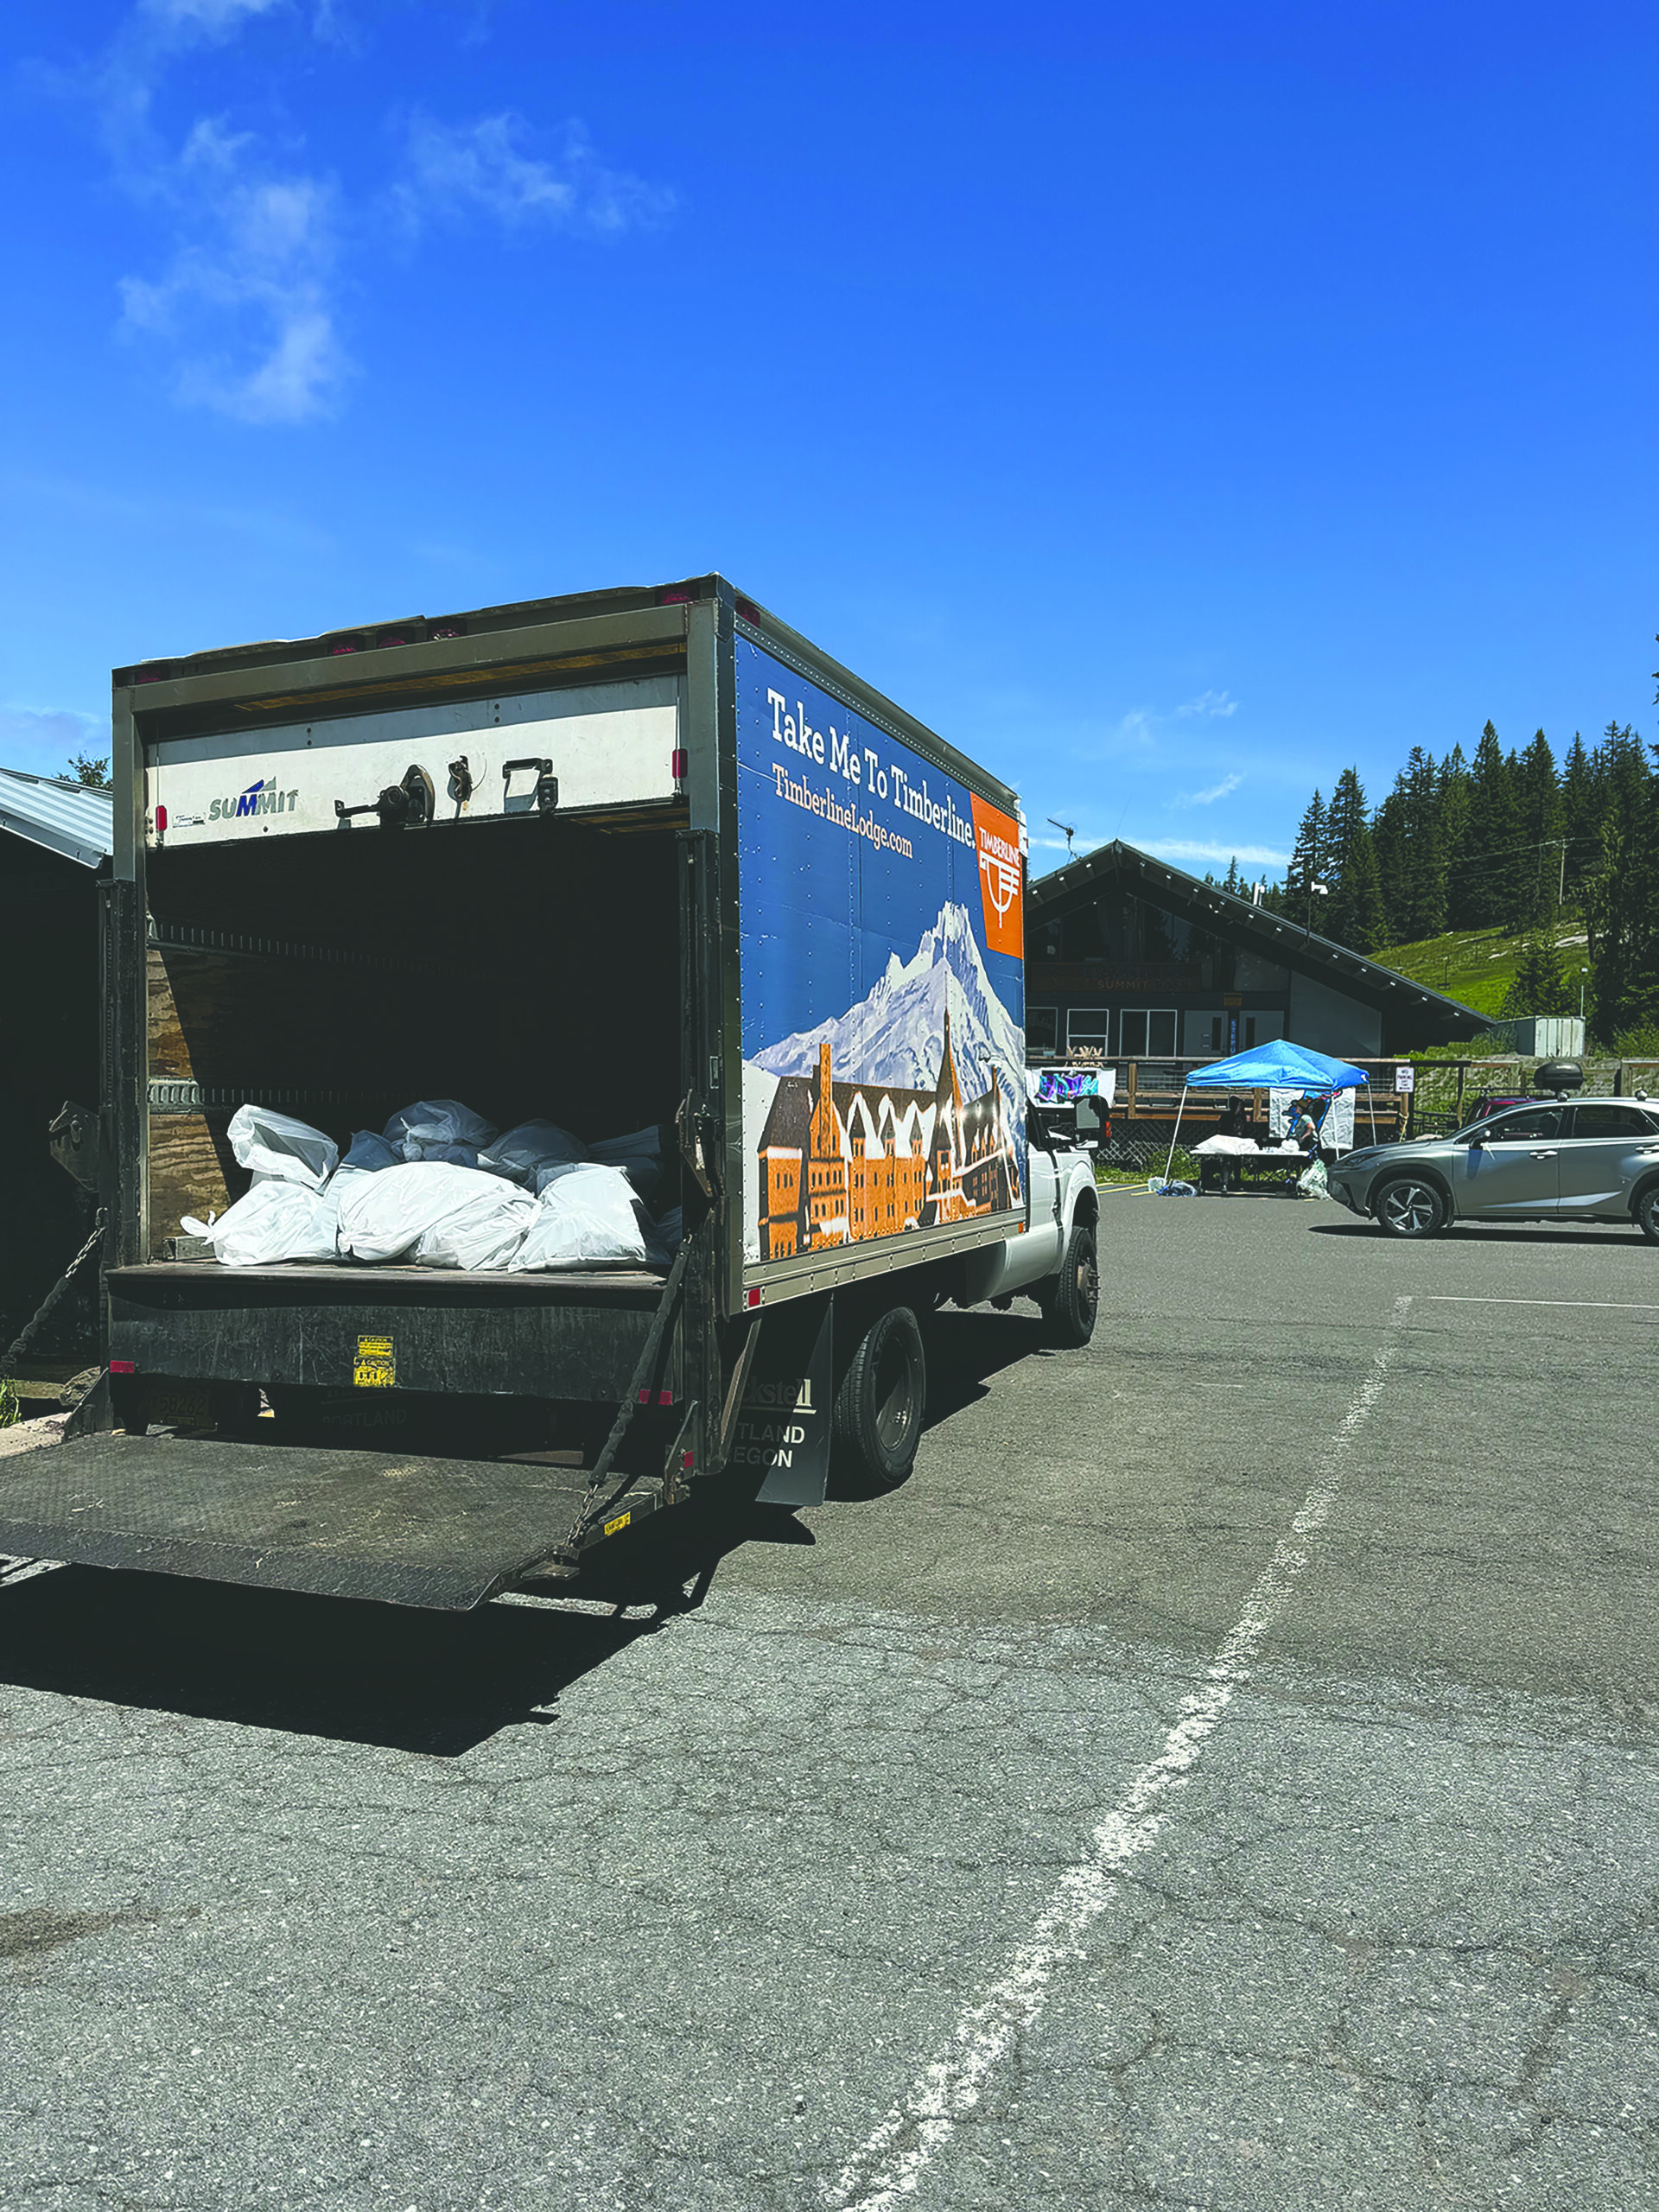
x,y
1610,1121
1536,1122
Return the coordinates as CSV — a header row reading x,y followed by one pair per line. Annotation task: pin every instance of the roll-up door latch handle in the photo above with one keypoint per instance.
x,y
542,798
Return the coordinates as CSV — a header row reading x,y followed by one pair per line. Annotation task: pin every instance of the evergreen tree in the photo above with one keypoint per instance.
x,y
1538,799
1307,861
1540,984
1489,863
1352,869
1622,900
1580,820
1424,882
1452,801
1362,917
1232,883
1395,862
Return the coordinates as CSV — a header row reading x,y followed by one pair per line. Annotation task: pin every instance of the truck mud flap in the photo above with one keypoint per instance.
x,y
405,1530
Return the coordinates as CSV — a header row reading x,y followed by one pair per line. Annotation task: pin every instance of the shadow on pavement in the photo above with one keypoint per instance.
x,y
438,1683
965,1350
414,1680
1615,1236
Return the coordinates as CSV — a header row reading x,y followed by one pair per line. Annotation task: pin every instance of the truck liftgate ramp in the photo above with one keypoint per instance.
x,y
624,861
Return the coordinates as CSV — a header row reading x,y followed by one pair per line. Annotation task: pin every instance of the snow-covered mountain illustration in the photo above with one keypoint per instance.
x,y
896,1034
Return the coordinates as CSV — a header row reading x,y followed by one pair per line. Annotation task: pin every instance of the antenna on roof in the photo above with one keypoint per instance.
x,y
1070,832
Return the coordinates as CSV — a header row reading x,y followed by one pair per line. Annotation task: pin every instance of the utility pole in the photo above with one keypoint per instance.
x,y
1561,887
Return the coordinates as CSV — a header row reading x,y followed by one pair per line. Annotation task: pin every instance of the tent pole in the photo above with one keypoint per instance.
x,y
1180,1110
1370,1108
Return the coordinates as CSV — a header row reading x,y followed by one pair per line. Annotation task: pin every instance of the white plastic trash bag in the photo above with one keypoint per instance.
x,y
433,1128
585,1215
434,1213
640,1153
276,1220
275,1144
532,1146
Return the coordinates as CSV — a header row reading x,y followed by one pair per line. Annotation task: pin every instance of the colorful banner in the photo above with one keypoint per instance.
x,y
883,989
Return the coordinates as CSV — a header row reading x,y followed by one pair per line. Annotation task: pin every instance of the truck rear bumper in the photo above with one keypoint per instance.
x,y
342,1523
572,1337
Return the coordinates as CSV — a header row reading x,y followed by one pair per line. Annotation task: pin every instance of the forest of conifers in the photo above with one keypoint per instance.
x,y
1506,841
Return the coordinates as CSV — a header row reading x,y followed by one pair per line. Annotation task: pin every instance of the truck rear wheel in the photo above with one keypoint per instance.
x,y
1071,1301
877,1422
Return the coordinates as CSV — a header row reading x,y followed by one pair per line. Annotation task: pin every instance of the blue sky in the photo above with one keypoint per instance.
x,y
1171,406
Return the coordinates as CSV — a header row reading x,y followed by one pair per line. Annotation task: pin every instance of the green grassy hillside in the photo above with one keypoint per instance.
x,y
1478,966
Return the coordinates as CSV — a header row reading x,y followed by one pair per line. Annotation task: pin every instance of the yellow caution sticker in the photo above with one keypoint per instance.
x,y
621,1522
376,1365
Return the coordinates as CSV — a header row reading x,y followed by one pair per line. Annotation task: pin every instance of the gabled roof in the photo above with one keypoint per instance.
x,y
1275,937
65,817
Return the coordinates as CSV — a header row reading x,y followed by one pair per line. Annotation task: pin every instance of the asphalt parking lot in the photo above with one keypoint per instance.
x,y
1223,1776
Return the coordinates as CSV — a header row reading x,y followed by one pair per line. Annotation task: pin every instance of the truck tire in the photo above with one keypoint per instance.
x,y
876,1424
1071,1301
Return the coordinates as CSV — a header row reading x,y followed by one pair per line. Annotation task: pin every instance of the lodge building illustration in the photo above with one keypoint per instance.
x,y
840,1162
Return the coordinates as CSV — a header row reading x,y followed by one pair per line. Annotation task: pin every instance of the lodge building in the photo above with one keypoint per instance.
x,y
1130,956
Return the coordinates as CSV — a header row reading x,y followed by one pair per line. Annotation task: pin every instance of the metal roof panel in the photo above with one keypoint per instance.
x,y
65,817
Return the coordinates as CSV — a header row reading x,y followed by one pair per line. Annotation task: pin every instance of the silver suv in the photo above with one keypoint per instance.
x,y
1593,1159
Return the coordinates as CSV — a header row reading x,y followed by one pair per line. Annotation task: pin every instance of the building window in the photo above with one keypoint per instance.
x,y
1086,1027
1250,1032
1146,1032
1042,1029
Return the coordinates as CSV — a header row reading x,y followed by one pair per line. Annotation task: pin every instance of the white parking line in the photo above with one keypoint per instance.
x,y
890,2163
1609,1304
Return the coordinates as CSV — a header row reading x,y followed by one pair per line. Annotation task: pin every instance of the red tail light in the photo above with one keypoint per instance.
x,y
673,599
677,764
124,1367
161,822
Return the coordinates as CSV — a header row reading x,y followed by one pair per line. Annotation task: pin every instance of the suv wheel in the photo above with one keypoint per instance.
x,y
1408,1207
1647,1213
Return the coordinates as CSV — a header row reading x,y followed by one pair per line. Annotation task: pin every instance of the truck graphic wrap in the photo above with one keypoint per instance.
x,y
883,1002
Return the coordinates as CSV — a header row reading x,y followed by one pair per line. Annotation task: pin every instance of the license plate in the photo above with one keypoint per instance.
x,y
178,1405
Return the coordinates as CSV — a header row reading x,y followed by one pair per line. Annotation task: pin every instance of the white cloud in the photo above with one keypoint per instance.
x,y
1191,849
245,301
1208,704
246,297
218,18
455,172
43,739
1227,784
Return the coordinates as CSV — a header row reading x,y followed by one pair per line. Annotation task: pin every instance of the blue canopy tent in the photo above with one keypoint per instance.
x,y
1279,1066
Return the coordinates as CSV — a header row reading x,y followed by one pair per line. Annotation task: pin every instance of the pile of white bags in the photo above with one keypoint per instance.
x,y
589,1213
289,1214
435,1214
439,1188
